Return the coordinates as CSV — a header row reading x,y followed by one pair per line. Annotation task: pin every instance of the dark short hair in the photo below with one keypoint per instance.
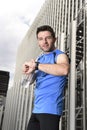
x,y
45,28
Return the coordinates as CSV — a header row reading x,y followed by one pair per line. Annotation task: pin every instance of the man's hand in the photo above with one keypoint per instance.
x,y
29,67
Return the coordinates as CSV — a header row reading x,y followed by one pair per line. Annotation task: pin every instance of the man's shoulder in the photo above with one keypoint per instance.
x,y
59,51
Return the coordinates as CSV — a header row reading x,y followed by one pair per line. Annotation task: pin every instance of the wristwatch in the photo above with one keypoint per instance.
x,y
36,66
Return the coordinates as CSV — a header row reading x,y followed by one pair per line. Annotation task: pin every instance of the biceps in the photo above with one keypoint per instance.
x,y
62,59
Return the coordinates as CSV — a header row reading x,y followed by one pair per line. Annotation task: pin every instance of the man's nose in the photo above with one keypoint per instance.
x,y
45,40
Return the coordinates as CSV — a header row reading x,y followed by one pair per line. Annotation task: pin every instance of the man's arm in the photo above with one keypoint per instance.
x,y
59,69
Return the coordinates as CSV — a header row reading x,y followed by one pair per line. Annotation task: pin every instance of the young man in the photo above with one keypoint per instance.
x,y
51,71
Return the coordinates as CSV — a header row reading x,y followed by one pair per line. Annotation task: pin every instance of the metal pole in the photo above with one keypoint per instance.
x,y
31,100
72,78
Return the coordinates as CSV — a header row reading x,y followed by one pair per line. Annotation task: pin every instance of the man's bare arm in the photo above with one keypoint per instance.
x,y
60,68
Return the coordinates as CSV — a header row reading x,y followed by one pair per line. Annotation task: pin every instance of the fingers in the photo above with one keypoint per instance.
x,y
25,67
29,67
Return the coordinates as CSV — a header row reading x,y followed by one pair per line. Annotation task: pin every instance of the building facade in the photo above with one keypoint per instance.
x,y
69,20
4,81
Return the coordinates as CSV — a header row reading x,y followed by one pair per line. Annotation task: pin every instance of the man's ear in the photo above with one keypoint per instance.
x,y
56,38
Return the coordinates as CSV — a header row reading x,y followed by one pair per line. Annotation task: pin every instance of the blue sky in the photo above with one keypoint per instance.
x,y
16,16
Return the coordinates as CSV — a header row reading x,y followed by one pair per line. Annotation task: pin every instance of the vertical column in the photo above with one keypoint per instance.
x,y
69,7
25,109
10,110
63,15
72,78
62,45
16,87
22,108
59,27
85,69
31,101
57,22
6,112
18,107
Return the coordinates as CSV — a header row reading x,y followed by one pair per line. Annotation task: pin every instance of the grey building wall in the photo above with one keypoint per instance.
x,y
68,18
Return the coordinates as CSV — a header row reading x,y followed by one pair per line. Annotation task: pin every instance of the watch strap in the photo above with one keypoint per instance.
x,y
36,67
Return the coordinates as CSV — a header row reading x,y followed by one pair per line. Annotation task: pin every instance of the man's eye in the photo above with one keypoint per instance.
x,y
46,38
49,37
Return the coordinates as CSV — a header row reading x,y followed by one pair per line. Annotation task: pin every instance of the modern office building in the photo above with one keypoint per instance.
x,y
69,20
4,81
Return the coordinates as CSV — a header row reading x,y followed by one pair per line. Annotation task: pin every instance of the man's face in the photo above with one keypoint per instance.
x,y
46,41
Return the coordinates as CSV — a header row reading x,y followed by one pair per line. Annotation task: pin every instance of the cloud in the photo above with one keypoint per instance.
x,y
16,16
12,31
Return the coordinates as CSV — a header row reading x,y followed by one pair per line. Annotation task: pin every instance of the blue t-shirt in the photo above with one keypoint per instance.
x,y
49,88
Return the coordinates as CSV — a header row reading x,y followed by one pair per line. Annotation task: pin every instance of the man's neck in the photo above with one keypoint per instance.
x,y
50,51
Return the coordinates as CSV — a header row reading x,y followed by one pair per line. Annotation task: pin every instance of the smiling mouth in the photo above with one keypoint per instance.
x,y
45,46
